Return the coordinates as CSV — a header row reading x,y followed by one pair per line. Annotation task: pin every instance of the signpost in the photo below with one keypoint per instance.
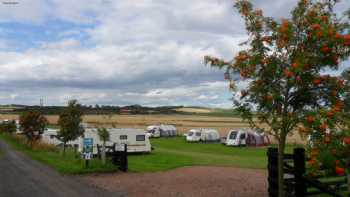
x,y
88,150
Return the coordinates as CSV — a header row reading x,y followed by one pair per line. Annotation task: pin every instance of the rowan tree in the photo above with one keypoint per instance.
x,y
285,63
33,124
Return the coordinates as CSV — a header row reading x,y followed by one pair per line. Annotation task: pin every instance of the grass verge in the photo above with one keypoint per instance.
x,y
53,158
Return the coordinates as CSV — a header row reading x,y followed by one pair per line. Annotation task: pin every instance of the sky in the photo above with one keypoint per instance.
x,y
120,52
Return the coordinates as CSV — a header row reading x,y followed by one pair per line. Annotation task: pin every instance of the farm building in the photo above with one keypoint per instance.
x,y
161,130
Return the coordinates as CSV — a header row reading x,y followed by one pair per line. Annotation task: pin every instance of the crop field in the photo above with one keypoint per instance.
x,y
195,110
182,122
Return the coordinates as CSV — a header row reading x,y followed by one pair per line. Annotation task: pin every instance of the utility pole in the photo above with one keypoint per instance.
x,y
41,102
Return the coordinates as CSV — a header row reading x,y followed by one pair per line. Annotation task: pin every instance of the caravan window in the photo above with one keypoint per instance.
x,y
233,135
190,133
198,134
151,131
123,137
242,137
140,137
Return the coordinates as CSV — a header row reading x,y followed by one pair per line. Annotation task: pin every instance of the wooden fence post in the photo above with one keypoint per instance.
x,y
272,172
124,159
299,171
348,166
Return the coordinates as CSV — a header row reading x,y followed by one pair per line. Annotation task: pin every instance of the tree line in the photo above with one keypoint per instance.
x,y
100,109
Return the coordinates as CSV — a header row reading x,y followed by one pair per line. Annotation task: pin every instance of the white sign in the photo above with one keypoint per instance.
x,y
87,155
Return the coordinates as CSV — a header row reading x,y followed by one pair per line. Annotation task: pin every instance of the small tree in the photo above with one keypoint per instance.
x,y
284,66
33,125
104,136
70,123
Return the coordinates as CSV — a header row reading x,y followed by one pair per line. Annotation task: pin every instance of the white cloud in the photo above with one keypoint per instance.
x,y
146,51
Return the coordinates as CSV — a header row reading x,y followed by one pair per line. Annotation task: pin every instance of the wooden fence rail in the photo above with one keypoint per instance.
x,y
297,184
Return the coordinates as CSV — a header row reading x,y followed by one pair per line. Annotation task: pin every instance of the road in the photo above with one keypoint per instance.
x,y
22,176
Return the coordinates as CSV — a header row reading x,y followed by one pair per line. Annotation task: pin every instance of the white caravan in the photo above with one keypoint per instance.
x,y
244,137
18,127
204,135
161,131
50,136
136,139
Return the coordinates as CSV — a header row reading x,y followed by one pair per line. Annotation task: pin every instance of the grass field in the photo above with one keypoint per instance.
x,y
169,153
175,152
66,165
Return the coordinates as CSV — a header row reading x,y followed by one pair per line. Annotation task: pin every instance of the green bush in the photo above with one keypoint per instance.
x,y
8,127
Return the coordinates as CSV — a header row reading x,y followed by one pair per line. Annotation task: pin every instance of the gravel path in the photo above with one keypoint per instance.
x,y
20,176
187,181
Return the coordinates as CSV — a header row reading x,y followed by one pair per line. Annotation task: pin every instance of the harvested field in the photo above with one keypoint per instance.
x,y
187,181
182,122
194,110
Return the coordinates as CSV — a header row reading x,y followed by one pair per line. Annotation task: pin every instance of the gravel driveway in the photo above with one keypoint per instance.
x,y
187,181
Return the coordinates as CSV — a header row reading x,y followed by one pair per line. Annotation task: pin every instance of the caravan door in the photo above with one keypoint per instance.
x,y
242,138
231,138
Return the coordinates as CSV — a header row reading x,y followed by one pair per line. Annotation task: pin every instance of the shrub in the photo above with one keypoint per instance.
x,y
33,124
8,127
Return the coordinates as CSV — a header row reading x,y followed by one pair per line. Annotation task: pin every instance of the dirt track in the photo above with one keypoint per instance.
x,y
187,182
20,176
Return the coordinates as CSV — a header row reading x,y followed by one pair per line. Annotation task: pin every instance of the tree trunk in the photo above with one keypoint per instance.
x,y
104,153
281,147
349,183
348,167
64,148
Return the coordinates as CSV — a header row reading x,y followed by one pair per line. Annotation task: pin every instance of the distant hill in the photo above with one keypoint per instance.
x,y
205,111
97,109
9,108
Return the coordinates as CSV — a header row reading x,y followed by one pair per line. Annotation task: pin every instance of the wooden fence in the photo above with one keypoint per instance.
x,y
297,183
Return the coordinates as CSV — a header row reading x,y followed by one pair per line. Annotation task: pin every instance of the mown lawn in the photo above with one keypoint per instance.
x,y
168,153
69,164
175,152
